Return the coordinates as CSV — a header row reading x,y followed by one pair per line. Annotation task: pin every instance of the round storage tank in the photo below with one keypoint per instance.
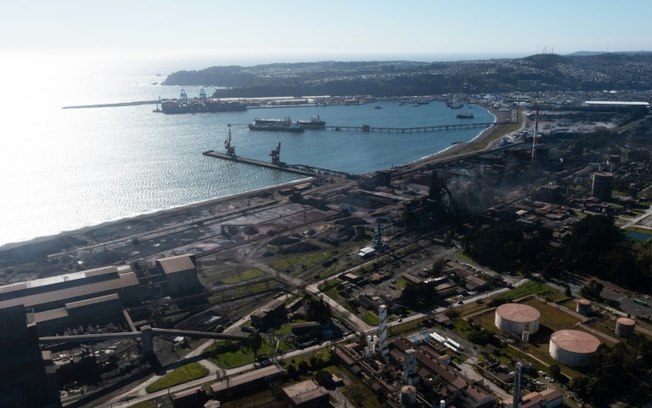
x,y
625,327
583,307
517,318
408,396
573,347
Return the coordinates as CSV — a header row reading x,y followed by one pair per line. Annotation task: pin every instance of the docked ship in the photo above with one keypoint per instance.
x,y
315,122
276,125
465,115
454,104
203,104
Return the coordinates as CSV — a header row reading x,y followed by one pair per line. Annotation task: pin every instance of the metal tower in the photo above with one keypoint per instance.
x,y
382,330
517,386
534,136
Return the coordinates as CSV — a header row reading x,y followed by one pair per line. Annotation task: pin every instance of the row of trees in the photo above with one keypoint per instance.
x,y
624,370
595,247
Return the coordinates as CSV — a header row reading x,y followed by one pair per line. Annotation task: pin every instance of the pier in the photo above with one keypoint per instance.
x,y
418,129
301,169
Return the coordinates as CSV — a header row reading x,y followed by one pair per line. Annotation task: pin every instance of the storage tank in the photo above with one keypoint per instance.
x,y
517,318
573,347
625,327
408,396
583,306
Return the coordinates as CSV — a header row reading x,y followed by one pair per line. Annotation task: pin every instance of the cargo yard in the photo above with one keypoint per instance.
x,y
338,289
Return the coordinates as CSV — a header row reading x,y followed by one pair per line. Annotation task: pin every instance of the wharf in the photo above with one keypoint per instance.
x,y
301,169
418,129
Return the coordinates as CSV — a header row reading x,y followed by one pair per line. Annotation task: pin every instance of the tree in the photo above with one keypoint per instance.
x,y
254,343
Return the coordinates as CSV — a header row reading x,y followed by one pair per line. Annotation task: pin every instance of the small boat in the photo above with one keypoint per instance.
x,y
465,115
378,107
157,110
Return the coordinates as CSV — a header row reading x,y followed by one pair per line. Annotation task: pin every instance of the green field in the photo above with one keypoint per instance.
x,y
179,375
370,318
240,356
531,288
243,276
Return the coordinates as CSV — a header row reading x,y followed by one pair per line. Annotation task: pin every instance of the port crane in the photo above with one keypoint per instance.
x,y
276,155
230,149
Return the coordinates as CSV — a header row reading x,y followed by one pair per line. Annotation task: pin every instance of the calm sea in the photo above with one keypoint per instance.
x,y
65,169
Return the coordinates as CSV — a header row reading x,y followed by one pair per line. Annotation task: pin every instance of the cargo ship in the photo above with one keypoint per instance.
x,y
203,104
276,125
315,122
465,115
454,104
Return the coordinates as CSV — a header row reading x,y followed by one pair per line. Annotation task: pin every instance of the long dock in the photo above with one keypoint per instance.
x,y
418,129
301,169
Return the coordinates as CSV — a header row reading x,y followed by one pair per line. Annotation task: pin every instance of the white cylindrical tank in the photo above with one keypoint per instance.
x,y
583,306
517,318
625,327
573,347
408,396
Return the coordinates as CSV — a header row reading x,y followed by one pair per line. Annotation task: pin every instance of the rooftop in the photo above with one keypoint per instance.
x,y
517,312
575,341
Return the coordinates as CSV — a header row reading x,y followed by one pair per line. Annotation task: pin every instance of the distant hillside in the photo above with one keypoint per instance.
x,y
542,72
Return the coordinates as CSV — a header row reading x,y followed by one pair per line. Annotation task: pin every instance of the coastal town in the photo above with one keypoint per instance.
x,y
501,272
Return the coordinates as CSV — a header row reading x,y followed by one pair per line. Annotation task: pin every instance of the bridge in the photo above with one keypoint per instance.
x,y
146,335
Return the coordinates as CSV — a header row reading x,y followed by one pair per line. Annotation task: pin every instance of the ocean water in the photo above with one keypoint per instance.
x,y
65,169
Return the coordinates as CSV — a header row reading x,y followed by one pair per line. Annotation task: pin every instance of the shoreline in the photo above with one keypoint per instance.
x,y
144,217
450,153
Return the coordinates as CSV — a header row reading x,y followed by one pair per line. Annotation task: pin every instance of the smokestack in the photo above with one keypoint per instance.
x,y
534,136
517,386
382,330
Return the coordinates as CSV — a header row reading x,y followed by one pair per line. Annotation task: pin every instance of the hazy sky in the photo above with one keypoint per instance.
x,y
330,27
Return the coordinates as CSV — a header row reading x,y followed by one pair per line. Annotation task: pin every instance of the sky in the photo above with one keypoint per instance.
x,y
333,27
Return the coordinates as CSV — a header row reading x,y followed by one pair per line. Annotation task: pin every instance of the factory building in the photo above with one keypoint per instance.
x,y
602,185
573,347
306,394
180,273
27,374
56,291
75,299
517,318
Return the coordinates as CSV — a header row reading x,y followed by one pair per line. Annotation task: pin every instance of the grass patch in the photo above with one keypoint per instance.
x,y
286,329
243,276
401,283
230,355
370,318
256,288
300,263
552,317
179,375
330,287
400,328
531,288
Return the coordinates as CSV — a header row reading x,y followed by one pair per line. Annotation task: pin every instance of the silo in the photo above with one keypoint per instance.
x,y
583,306
408,396
517,318
573,347
625,327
